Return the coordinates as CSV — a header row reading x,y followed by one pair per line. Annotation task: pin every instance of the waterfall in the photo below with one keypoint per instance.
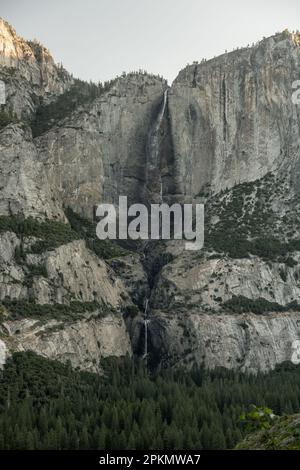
x,y
154,137
153,187
161,190
146,308
3,353
154,180
146,321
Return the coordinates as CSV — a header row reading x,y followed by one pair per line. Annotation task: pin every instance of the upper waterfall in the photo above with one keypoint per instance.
x,y
154,135
154,186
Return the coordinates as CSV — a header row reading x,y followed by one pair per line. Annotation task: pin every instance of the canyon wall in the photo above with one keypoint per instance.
x,y
225,133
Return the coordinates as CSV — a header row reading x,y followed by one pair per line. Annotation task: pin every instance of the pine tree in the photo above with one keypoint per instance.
x,y
84,439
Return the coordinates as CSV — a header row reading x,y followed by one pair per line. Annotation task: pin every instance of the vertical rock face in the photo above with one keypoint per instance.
x,y
30,76
249,343
24,185
225,133
71,274
232,117
234,133
94,155
101,152
230,124
84,342
29,72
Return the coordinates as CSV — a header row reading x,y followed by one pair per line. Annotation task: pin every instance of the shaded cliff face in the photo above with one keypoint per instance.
x,y
92,155
232,118
100,152
225,133
245,342
24,185
233,143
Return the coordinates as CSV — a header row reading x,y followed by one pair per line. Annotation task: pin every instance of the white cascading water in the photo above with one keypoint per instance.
x,y
146,322
154,138
153,161
153,166
3,353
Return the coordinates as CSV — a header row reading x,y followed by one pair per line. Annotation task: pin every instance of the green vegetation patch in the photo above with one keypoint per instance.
x,y
283,435
248,225
6,118
48,405
241,304
27,309
52,233
86,229
34,270
80,93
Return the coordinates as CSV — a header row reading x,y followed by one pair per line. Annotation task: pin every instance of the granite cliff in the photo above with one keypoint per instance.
x,y
225,133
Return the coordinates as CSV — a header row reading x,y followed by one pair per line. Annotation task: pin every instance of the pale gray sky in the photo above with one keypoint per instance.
x,y
98,39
